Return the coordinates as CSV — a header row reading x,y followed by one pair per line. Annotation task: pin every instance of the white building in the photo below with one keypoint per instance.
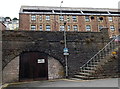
x,y
11,24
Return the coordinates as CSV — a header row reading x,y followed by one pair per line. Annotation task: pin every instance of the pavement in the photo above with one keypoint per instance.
x,y
110,83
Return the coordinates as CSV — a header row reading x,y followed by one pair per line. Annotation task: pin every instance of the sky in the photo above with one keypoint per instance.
x,y
10,8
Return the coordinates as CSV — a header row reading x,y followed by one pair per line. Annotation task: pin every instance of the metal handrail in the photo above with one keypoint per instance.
x,y
98,53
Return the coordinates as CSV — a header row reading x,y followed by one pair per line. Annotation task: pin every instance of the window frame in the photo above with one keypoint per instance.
x,y
62,28
33,27
74,18
40,17
112,28
75,27
61,18
110,18
48,28
87,19
88,28
33,17
47,18
40,27
68,28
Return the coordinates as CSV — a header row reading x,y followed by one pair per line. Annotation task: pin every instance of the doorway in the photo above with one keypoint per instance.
x,y
33,66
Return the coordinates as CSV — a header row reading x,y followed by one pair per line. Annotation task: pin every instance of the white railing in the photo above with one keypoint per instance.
x,y
101,54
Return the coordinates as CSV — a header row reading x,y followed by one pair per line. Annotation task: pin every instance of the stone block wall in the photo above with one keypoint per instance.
x,y
55,69
11,71
109,67
82,46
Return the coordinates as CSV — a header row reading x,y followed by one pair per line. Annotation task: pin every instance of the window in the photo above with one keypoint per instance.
x,y
88,28
87,18
47,27
68,28
100,19
47,17
68,18
100,27
40,27
62,28
33,17
110,18
40,17
61,18
75,28
33,27
74,18
112,28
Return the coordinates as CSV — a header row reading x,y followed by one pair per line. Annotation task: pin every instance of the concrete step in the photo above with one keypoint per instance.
x,y
87,74
95,62
84,77
87,68
95,65
75,79
88,71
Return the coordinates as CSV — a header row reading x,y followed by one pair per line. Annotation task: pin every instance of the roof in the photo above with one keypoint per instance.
x,y
68,10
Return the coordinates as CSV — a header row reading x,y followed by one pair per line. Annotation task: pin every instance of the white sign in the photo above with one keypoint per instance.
x,y
66,54
41,61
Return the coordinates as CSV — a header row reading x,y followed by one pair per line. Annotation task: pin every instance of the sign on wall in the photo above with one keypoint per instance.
x,y
41,61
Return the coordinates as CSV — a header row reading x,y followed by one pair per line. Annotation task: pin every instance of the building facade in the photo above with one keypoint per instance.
x,y
41,18
11,24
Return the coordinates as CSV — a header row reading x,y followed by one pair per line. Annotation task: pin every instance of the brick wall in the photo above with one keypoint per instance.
x,y
24,20
54,22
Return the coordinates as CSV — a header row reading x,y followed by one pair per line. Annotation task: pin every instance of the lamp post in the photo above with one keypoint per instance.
x,y
65,50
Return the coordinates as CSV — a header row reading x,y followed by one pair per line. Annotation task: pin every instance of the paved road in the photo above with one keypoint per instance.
x,y
67,83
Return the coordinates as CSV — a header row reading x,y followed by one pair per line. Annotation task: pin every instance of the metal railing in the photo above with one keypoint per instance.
x,y
111,46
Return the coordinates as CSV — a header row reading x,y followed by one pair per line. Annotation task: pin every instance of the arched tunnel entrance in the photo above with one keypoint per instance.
x,y
30,66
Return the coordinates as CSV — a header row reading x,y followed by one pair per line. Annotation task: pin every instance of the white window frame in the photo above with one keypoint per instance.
x,y
68,18
62,27
74,18
48,28
110,18
75,27
33,27
61,18
87,19
40,28
40,17
33,17
112,27
47,17
68,27
88,28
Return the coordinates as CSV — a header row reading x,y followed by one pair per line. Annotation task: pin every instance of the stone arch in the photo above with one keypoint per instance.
x,y
11,70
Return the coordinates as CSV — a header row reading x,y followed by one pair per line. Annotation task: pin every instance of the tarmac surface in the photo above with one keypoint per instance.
x,y
110,83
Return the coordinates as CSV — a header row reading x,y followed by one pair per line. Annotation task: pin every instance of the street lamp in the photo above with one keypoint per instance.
x,y
65,50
